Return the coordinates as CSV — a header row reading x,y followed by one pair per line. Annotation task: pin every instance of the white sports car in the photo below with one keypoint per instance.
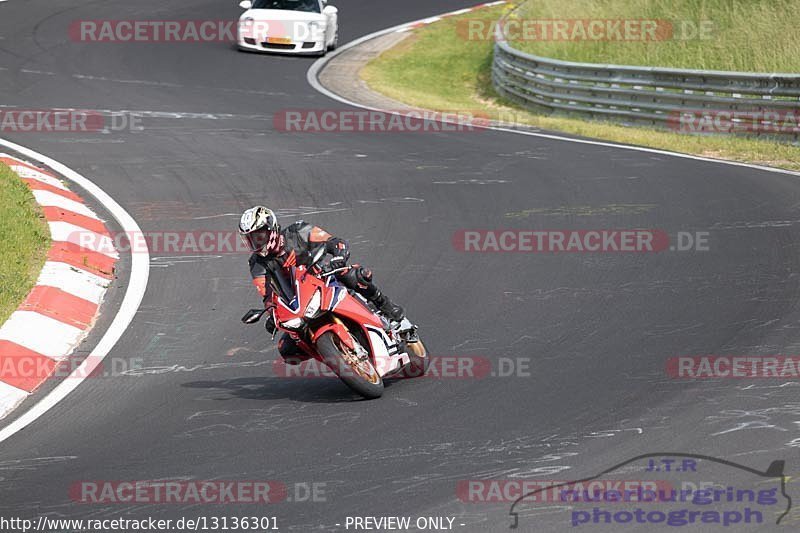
x,y
288,26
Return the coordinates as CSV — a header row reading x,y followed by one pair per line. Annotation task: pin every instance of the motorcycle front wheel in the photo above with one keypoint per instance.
x,y
359,375
420,360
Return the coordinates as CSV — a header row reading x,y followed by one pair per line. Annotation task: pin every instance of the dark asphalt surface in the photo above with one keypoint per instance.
x,y
596,329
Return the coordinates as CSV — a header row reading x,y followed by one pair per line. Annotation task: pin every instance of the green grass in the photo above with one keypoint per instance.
x,y
437,69
24,240
745,35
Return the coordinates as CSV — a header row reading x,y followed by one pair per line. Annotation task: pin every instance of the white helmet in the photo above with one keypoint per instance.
x,y
259,230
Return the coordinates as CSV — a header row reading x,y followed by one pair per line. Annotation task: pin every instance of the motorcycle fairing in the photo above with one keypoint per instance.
x,y
337,300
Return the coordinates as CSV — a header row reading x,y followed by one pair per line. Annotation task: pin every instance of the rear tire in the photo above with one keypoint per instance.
x,y
363,379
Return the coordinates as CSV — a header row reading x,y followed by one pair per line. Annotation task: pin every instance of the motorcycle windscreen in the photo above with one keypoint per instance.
x,y
283,284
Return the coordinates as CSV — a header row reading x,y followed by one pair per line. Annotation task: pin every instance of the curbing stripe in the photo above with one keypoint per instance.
x,y
61,305
80,284
82,258
27,171
23,368
56,214
39,185
40,333
10,397
64,303
83,237
49,199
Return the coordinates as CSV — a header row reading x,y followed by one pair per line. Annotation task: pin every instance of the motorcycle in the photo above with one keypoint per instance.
x,y
342,330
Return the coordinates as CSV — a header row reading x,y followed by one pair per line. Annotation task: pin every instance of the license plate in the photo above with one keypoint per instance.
x,y
279,40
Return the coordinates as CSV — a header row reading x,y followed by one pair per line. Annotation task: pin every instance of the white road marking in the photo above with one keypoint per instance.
x,y
171,115
137,285
42,72
87,77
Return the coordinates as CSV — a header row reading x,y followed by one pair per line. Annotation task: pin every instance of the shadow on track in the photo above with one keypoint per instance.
x,y
271,388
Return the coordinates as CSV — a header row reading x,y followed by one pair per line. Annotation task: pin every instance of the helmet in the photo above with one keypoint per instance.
x,y
259,230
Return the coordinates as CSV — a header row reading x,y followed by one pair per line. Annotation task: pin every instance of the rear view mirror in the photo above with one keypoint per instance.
x,y
330,10
253,316
246,4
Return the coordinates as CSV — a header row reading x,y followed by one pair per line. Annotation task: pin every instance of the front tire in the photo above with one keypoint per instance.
x,y
420,360
360,376
335,43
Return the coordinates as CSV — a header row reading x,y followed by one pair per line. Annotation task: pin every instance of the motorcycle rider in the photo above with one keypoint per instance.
x,y
274,248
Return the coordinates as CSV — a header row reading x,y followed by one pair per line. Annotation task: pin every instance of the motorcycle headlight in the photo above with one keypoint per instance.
x,y
313,306
293,323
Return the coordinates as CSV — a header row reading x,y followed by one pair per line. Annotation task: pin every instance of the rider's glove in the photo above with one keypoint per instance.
x,y
338,261
340,251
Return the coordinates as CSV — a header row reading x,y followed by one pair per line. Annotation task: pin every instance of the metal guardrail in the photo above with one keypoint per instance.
x,y
690,101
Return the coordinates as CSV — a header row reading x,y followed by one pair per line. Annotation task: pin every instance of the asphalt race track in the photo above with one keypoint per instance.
x,y
596,328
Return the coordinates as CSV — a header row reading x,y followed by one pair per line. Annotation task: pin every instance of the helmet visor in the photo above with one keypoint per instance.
x,y
259,239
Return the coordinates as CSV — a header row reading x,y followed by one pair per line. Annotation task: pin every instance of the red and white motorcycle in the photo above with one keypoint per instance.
x,y
343,330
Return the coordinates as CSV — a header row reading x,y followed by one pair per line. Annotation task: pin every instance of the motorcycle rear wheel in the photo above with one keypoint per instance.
x,y
360,376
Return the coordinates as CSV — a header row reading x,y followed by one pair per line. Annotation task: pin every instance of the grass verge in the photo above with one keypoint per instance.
x,y
25,239
436,68
741,35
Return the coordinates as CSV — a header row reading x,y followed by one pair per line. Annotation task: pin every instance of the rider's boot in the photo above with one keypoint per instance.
x,y
359,279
